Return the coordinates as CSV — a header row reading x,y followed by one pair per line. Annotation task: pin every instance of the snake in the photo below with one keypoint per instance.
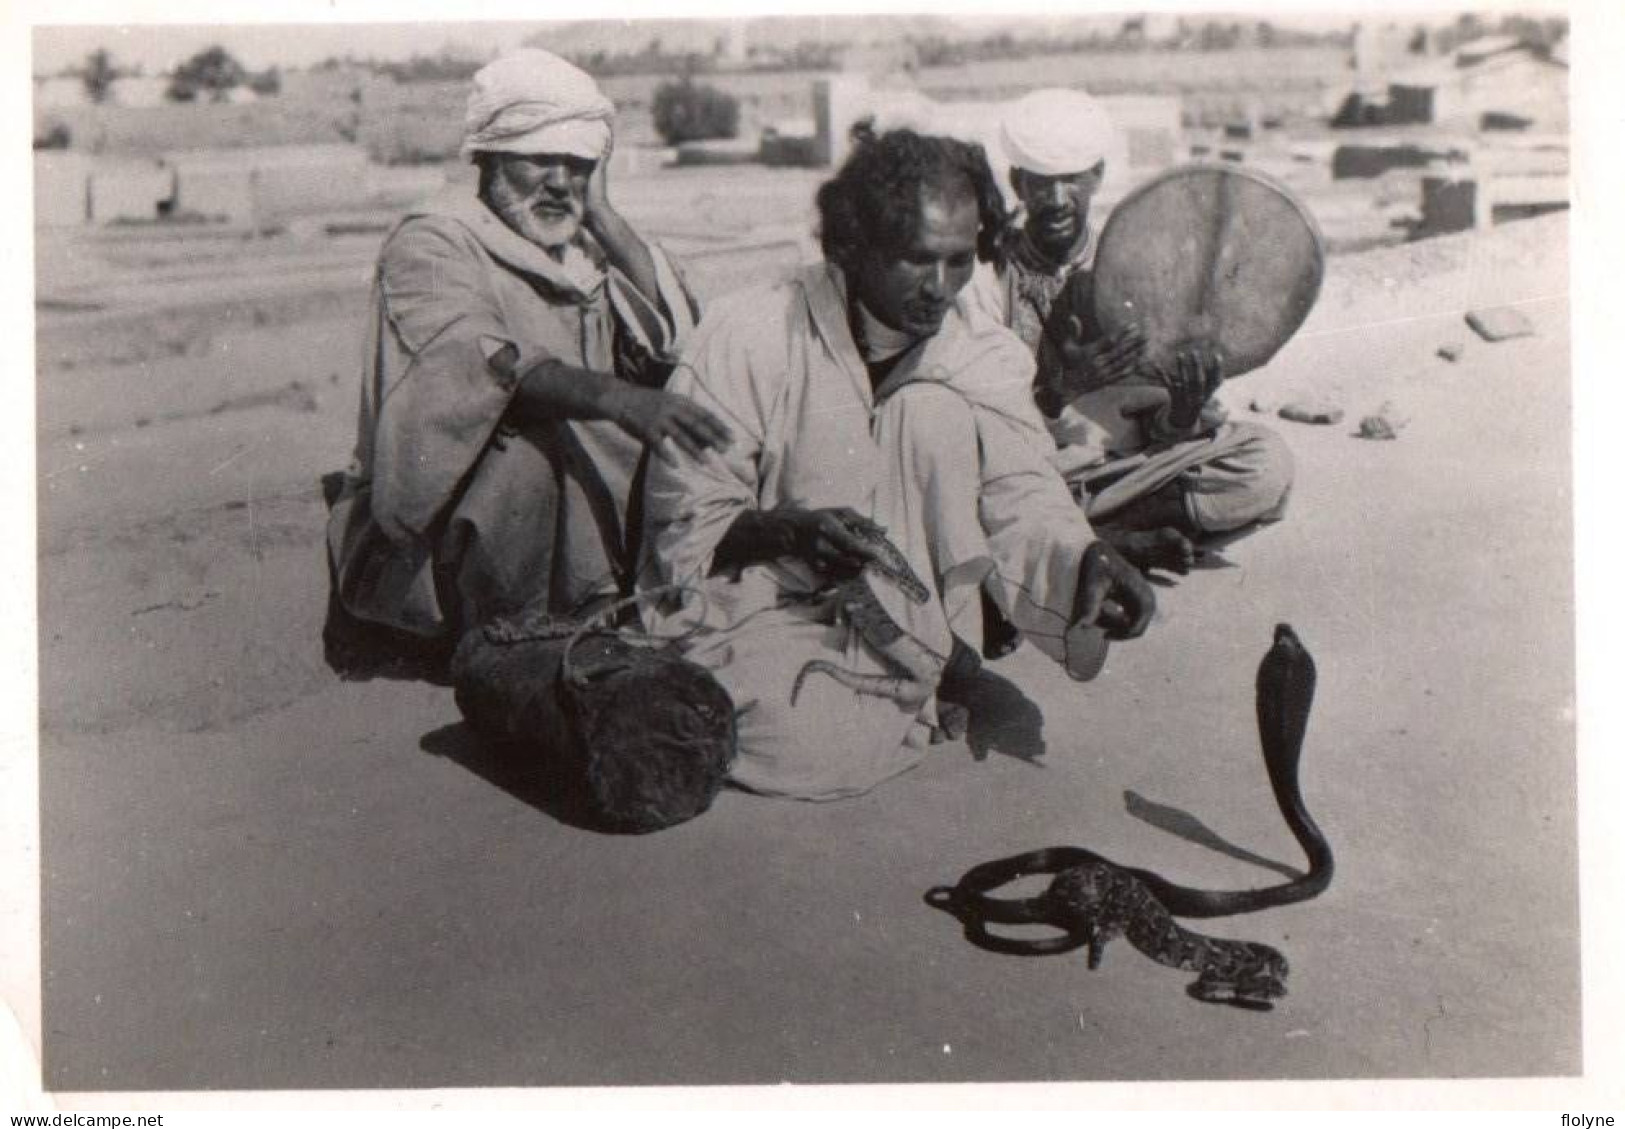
x,y
916,668
1092,899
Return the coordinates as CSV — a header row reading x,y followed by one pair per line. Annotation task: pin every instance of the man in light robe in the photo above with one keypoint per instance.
x,y
861,395
521,333
1161,467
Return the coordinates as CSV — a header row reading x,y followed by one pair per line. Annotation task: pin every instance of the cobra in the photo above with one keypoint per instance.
x,y
1092,899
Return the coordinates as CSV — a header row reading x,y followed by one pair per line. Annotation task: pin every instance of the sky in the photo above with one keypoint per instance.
x,y
127,29
158,47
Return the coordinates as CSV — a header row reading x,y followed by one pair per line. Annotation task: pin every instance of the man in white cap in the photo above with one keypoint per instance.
x,y
521,334
1157,464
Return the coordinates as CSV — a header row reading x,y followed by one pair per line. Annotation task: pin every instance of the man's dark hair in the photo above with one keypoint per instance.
x,y
874,200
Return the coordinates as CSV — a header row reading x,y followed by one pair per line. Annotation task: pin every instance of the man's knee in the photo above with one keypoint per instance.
x,y
1250,483
931,406
1269,464
935,424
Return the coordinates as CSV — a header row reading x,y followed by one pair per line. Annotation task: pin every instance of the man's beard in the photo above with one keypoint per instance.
x,y
548,229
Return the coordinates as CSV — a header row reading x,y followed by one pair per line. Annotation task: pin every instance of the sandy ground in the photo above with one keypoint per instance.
x,y
255,876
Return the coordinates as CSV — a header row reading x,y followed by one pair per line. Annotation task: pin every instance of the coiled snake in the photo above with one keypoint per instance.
x,y
1092,899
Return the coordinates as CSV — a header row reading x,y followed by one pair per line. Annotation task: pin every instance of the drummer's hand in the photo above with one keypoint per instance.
x,y
1197,372
1096,364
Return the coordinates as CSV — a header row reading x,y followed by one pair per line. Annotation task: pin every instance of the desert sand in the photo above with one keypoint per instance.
x,y
256,876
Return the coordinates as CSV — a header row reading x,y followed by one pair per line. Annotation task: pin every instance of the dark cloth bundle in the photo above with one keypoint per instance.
x,y
645,734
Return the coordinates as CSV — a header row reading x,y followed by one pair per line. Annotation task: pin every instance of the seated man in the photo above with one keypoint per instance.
x,y
1161,467
861,400
513,376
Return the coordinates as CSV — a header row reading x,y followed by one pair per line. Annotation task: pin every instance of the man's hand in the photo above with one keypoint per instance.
x,y
596,206
1113,594
652,416
1096,364
837,542
623,246
1197,373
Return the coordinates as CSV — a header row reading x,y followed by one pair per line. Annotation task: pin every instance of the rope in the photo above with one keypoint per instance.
x,y
598,620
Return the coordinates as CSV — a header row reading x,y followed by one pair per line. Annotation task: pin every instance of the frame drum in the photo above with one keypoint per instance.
x,y
1209,253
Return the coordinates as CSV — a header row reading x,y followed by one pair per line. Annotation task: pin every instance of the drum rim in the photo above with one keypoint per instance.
x,y
1270,182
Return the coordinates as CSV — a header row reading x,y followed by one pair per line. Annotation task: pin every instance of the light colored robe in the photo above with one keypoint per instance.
x,y
450,513
948,455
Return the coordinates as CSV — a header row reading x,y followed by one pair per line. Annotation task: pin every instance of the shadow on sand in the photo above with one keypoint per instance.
x,y
545,786
1003,720
1192,830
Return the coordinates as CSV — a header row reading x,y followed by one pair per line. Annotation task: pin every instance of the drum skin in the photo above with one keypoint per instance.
x,y
1213,254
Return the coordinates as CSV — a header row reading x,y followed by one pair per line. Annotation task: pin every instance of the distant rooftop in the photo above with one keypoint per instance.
x,y
1484,46
1493,50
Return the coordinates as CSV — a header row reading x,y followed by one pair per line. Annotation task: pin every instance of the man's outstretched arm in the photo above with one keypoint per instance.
x,y
554,390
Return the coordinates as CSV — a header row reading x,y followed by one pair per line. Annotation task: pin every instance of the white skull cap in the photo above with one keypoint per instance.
x,y
1056,132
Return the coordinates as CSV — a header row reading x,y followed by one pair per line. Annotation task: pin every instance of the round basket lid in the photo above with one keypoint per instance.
x,y
1211,253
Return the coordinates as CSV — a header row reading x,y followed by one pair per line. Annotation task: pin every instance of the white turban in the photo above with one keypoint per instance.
x,y
533,102
1056,132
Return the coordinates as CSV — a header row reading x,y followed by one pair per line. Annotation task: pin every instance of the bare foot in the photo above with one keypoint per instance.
x,y
1165,548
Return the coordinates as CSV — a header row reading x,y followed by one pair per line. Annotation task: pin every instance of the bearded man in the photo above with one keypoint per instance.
x,y
520,337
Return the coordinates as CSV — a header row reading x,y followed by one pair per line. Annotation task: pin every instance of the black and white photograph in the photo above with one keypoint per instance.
x,y
774,547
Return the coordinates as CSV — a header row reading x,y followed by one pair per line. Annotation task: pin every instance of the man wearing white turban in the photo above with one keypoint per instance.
x,y
520,338
1158,466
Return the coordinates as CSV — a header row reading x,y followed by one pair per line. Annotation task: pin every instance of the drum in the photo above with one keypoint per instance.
x,y
1209,253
